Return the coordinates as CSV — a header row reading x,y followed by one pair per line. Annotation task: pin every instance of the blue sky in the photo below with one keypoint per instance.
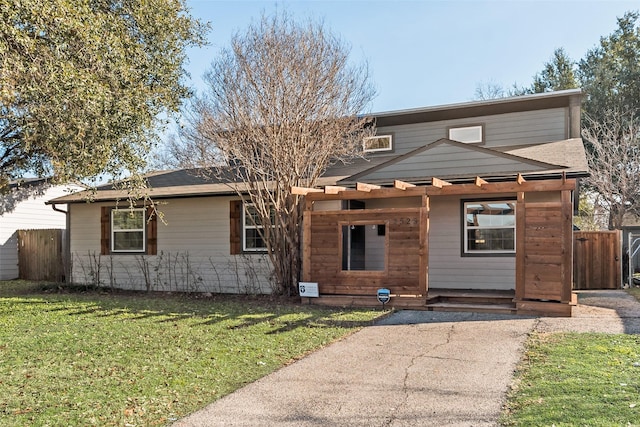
x,y
426,53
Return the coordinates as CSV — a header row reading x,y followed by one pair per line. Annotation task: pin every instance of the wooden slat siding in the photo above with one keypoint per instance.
x,y
544,255
40,255
403,252
596,261
235,227
105,230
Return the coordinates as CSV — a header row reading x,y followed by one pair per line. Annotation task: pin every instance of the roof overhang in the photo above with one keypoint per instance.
x,y
539,101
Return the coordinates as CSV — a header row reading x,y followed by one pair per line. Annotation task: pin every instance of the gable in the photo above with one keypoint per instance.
x,y
450,159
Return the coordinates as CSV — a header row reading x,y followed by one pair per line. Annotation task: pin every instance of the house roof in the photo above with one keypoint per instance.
x,y
537,101
161,186
444,159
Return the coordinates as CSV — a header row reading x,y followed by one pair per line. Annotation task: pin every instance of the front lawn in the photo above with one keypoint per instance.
x,y
577,380
98,358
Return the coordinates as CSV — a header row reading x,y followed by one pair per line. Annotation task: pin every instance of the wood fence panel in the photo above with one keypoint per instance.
x,y
40,255
597,259
542,230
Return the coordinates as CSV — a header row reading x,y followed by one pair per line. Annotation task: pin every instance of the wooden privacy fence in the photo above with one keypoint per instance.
x,y
597,259
40,255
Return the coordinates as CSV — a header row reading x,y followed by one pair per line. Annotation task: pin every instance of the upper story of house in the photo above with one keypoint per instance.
x,y
534,136
496,123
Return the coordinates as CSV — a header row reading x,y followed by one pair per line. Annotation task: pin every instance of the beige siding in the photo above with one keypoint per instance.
x,y
193,252
447,268
27,214
500,130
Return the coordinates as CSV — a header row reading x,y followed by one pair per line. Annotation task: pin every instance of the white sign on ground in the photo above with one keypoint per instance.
x,y
308,289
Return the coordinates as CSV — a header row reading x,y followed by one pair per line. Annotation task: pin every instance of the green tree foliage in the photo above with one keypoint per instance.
x,y
84,82
558,74
610,73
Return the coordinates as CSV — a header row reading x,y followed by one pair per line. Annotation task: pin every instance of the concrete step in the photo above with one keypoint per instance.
x,y
478,308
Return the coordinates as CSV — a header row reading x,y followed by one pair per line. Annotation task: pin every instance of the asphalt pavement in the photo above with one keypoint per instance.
x,y
413,368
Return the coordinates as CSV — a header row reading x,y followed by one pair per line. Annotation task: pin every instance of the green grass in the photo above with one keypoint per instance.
x,y
635,292
96,358
577,380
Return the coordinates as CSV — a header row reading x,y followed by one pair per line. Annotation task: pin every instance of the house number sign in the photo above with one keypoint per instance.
x,y
404,221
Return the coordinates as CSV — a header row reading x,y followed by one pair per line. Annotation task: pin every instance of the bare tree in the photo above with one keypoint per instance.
x,y
489,90
613,148
281,106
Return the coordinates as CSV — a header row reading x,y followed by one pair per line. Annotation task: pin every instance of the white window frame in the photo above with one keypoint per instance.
x,y
129,230
376,150
467,227
468,128
249,226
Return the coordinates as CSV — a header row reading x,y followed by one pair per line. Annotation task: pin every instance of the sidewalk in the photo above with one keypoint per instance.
x,y
414,368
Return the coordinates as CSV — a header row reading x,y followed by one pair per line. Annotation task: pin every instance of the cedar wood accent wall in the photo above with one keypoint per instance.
x,y
544,245
544,249
403,249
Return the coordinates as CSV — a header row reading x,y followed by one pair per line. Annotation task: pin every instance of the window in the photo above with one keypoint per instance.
x,y
378,143
128,230
252,228
124,231
467,134
364,247
489,227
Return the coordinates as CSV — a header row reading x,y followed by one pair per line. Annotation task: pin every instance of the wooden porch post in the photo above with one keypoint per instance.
x,y
306,241
567,246
423,283
520,247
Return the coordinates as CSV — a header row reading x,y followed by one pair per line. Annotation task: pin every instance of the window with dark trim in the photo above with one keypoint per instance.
x,y
489,227
128,231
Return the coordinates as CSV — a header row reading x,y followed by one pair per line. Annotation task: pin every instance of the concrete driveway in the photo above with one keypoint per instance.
x,y
413,368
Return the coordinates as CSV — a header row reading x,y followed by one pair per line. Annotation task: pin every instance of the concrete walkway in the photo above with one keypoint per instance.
x,y
414,368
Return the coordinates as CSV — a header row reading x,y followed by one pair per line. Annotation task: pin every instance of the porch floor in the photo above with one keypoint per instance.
x,y
471,300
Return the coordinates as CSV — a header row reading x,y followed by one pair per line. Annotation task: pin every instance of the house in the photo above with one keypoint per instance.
x,y
471,198
24,208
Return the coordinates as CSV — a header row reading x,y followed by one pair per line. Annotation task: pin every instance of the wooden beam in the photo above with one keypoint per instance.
x,y
439,183
303,191
333,189
502,187
479,181
361,186
382,193
401,185
521,179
